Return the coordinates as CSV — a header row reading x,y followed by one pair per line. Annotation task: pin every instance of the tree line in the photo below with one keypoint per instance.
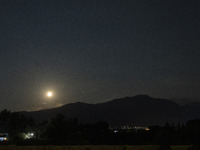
x,y
23,130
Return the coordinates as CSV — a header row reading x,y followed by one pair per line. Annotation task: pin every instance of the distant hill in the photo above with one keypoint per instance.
x,y
184,101
137,110
193,110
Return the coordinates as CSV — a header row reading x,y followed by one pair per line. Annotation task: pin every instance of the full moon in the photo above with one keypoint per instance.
x,y
49,94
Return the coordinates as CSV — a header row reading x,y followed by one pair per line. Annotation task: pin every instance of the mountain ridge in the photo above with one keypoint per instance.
x,y
137,110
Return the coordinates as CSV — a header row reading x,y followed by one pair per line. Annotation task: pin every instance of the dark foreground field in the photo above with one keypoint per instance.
x,y
146,147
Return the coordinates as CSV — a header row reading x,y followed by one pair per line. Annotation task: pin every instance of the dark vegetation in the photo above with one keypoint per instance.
x,y
60,131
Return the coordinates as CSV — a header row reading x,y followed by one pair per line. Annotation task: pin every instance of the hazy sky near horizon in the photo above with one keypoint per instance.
x,y
97,50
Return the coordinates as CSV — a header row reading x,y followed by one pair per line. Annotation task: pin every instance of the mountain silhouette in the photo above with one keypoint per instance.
x,y
193,110
137,110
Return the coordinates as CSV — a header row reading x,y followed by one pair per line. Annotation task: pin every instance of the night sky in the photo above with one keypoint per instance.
x,y
97,50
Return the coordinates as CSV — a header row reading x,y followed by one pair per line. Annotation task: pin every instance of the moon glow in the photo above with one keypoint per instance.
x,y
49,94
